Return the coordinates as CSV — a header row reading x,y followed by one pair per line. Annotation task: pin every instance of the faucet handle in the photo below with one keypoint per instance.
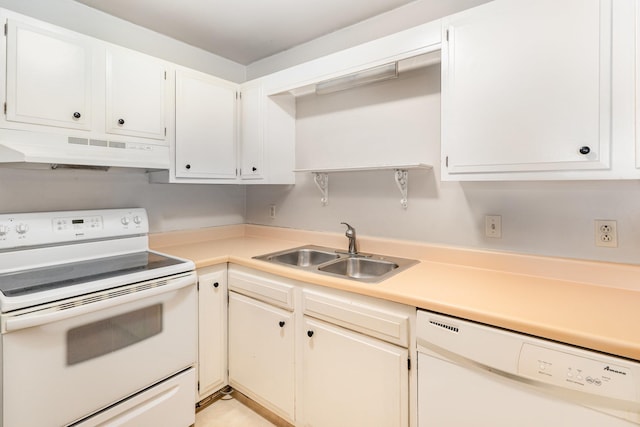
x,y
350,229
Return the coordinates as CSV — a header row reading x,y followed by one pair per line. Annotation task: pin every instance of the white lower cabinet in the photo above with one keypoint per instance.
x,y
319,357
350,379
261,353
261,341
212,330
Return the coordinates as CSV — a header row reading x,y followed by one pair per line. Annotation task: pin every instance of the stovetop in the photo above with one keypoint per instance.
x,y
51,256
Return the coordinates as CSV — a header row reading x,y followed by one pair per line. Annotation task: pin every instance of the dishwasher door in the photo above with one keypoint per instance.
x,y
473,375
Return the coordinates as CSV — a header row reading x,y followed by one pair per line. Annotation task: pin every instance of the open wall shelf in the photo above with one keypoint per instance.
x,y
401,176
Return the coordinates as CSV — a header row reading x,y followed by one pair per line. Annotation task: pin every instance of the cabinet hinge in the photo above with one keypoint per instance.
x,y
198,385
446,161
409,363
6,30
165,74
446,34
5,108
165,131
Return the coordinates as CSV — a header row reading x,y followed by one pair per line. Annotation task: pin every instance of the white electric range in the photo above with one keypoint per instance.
x,y
96,329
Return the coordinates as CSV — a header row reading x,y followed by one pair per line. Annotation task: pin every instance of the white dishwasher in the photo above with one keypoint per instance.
x,y
472,375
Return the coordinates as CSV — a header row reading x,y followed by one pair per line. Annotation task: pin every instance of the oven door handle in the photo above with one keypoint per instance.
x,y
12,324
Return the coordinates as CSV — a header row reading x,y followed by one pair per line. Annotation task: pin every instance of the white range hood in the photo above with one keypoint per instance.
x,y
27,147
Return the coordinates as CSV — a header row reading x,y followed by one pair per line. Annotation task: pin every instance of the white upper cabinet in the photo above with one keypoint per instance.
x,y
267,142
252,131
526,86
228,133
68,92
206,126
49,77
136,93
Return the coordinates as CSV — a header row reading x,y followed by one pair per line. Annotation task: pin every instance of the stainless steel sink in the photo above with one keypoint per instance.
x,y
302,257
361,267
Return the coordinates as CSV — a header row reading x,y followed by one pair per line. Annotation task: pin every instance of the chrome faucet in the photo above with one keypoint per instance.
x,y
351,235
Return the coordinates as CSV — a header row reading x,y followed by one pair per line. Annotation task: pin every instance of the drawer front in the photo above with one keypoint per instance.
x,y
367,319
266,290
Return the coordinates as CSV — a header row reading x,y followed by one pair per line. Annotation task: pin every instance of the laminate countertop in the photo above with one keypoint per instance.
x,y
595,305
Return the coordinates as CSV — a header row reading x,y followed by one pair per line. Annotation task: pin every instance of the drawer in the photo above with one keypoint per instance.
x,y
368,319
263,289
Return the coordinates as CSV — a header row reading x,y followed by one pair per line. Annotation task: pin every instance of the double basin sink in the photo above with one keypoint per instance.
x,y
362,267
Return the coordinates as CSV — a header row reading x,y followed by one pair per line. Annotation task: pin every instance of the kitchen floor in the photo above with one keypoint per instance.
x,y
230,413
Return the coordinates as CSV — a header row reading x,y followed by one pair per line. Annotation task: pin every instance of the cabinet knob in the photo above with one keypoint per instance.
x,y
216,284
254,169
188,166
120,121
309,334
281,323
585,150
77,115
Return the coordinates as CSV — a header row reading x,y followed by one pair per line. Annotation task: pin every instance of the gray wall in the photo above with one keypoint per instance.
x,y
551,218
170,206
403,116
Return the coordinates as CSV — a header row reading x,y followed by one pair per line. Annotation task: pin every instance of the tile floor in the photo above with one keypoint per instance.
x,y
229,413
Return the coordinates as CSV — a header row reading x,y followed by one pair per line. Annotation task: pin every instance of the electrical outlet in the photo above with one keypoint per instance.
x,y
606,233
493,226
272,211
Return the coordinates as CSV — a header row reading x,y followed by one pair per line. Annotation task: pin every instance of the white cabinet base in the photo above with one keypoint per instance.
x,y
261,353
350,379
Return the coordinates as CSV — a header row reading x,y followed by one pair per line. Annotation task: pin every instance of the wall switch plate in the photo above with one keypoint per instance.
x,y
493,226
606,233
272,211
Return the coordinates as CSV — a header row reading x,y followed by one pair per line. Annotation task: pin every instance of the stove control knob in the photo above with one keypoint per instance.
x,y
137,219
22,228
124,220
3,230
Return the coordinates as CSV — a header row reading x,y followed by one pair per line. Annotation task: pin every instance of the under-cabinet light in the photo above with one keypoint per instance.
x,y
383,72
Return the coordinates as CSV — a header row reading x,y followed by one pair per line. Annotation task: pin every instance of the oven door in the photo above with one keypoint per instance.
x,y
65,362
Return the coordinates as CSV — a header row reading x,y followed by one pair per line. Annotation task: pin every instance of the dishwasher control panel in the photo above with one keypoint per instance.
x,y
590,375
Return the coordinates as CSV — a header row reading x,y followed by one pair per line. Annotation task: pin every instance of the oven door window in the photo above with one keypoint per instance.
x,y
114,333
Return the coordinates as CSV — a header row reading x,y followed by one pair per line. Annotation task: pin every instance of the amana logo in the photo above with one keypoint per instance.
x,y
615,371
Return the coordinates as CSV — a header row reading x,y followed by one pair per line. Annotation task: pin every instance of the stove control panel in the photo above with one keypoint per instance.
x,y
45,228
63,225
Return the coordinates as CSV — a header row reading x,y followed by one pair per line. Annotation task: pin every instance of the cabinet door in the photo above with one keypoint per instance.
x,y
136,86
350,379
252,132
212,331
261,353
526,86
205,144
48,76
280,138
